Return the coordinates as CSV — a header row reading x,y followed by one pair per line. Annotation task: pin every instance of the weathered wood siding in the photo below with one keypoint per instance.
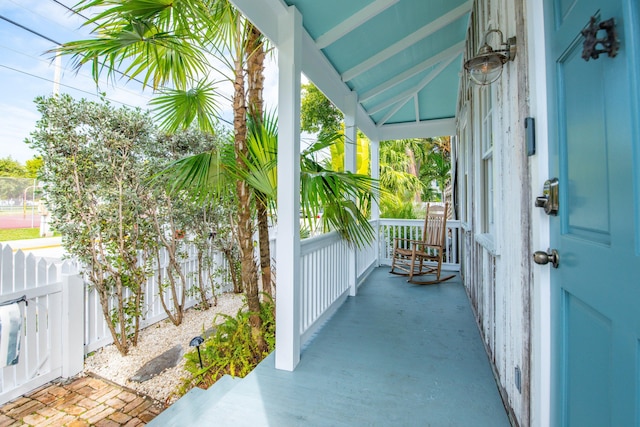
x,y
496,262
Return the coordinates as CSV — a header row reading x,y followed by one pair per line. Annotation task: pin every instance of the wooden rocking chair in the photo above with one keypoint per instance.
x,y
420,257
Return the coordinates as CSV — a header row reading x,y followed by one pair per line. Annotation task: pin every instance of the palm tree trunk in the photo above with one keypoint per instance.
x,y
413,170
265,249
248,274
255,75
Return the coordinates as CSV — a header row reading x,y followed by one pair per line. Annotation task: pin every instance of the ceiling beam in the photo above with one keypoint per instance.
x,y
353,22
417,69
391,112
410,92
424,129
408,41
320,71
264,14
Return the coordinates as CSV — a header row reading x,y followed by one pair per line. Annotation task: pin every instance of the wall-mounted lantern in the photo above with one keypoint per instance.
x,y
486,67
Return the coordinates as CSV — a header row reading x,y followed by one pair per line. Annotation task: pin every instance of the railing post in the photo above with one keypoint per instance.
x,y
72,324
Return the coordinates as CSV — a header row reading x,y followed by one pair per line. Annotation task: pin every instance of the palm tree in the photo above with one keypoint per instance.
x,y
343,196
438,169
167,43
399,183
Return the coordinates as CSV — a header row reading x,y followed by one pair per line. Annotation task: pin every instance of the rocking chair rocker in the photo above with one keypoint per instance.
x,y
421,257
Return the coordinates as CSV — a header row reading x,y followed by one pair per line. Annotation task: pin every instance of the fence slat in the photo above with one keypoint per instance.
x,y
30,271
28,364
18,271
44,332
7,269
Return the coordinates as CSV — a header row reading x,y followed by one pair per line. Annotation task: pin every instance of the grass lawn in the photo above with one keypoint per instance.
x,y
19,234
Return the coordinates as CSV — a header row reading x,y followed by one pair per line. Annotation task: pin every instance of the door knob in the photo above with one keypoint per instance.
x,y
551,256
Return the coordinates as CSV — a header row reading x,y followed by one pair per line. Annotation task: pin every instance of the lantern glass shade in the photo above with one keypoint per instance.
x,y
485,69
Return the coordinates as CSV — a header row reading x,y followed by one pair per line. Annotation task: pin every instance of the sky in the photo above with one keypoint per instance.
x,y
28,71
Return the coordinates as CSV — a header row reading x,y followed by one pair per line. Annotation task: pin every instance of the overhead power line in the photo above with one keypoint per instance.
x,y
85,75
70,9
29,30
62,84
38,34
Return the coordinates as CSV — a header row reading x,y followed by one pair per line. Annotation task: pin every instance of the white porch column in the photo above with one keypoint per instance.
x,y
375,174
374,157
350,149
288,237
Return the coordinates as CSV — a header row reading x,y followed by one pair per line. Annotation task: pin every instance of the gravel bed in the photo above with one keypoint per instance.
x,y
153,341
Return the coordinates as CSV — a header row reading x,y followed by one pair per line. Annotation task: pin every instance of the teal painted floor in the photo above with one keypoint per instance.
x,y
395,355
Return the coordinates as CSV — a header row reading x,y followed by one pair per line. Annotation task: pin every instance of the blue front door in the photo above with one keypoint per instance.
x,y
594,152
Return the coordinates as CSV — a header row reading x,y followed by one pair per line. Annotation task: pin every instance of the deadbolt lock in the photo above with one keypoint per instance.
x,y
551,256
549,199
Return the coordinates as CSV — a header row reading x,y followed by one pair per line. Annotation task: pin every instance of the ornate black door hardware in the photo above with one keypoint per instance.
x,y
594,46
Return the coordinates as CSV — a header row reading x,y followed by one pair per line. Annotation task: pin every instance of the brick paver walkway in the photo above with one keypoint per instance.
x,y
85,401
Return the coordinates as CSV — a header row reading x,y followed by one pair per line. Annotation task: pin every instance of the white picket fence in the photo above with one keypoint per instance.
x,y
43,351
96,331
56,335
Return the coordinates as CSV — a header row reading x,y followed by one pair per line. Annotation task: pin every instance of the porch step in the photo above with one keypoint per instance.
x,y
189,408
220,389
184,411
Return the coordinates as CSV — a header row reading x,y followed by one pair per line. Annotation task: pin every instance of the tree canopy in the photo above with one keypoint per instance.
x,y
411,170
99,161
13,168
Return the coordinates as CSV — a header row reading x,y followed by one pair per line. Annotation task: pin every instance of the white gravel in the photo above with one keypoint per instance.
x,y
155,340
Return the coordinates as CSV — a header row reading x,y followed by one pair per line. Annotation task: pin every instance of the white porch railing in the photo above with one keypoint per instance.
x,y
367,258
325,266
389,229
324,271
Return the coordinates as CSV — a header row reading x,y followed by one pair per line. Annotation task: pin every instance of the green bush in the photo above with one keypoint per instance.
x,y
232,349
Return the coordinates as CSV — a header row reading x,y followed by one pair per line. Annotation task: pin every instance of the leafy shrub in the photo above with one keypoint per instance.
x,y
231,350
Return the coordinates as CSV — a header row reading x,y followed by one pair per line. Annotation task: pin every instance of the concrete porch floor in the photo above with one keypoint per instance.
x,y
396,355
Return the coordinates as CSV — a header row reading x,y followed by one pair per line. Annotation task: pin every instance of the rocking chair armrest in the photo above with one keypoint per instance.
x,y
413,243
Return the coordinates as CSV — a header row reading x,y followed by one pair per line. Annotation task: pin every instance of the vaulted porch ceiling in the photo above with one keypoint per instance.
x,y
402,58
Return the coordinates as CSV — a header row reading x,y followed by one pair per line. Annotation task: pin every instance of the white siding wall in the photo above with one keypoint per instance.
x,y
497,266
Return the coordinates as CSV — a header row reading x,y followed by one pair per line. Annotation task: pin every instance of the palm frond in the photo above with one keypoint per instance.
x,y
178,109
342,196
202,176
158,40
